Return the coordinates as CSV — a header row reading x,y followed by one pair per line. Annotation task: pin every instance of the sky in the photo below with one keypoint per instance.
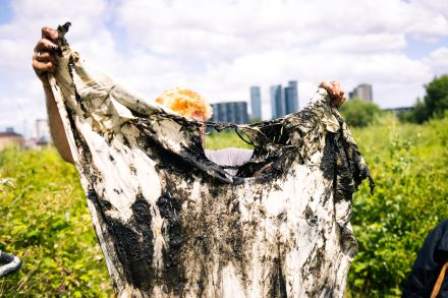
x,y
220,48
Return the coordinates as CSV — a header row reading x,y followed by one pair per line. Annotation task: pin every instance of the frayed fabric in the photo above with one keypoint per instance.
x,y
172,223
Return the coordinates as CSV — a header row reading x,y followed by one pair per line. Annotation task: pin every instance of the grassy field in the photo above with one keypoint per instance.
x,y
410,166
44,218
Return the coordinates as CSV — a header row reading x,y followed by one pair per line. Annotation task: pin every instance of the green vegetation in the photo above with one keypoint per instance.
x,y
45,220
360,113
409,163
228,138
434,104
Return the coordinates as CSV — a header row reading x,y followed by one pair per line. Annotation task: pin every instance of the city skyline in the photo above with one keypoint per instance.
x,y
283,101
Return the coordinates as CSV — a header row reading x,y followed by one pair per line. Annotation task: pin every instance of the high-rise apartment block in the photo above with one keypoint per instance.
x,y
291,98
362,91
277,101
255,103
284,100
230,112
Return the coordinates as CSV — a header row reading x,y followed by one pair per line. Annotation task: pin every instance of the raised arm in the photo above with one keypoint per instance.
x,y
44,62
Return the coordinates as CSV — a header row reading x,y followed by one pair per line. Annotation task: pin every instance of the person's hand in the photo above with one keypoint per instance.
x,y
44,56
336,94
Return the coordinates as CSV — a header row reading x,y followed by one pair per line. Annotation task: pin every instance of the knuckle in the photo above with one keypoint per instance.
x,y
36,66
46,67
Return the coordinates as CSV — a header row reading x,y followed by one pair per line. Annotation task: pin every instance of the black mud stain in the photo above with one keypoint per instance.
x,y
173,274
336,167
282,216
132,169
134,244
118,191
328,162
277,282
310,217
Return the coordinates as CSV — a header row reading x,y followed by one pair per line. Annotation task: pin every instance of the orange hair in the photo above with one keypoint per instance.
x,y
186,103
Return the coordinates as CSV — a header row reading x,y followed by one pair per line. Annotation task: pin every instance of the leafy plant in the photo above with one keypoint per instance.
x,y
46,223
409,164
434,104
360,113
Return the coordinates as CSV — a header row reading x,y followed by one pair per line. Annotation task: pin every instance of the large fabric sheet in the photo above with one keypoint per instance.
x,y
171,223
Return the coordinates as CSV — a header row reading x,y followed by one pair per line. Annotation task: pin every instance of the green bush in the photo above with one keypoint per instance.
x,y
46,223
434,104
436,98
360,113
410,166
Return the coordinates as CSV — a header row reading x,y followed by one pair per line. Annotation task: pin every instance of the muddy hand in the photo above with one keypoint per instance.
x,y
44,55
333,88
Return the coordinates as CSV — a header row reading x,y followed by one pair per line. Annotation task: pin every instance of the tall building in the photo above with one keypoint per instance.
x,y
277,101
255,103
284,100
362,91
291,98
230,112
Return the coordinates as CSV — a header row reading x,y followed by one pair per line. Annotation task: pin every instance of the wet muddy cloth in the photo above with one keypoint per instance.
x,y
172,223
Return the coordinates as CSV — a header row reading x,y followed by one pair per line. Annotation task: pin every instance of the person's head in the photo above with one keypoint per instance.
x,y
186,102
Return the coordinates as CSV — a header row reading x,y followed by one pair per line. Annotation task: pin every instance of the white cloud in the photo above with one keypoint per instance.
x,y
220,48
364,43
258,42
438,7
438,60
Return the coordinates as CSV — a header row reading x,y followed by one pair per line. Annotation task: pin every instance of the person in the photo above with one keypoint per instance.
x,y
429,274
182,101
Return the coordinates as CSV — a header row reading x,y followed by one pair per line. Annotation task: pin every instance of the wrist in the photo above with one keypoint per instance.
x,y
44,80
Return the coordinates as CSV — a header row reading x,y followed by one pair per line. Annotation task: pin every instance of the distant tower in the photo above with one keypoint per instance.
x,y
255,102
277,101
291,98
362,91
230,112
240,112
42,131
